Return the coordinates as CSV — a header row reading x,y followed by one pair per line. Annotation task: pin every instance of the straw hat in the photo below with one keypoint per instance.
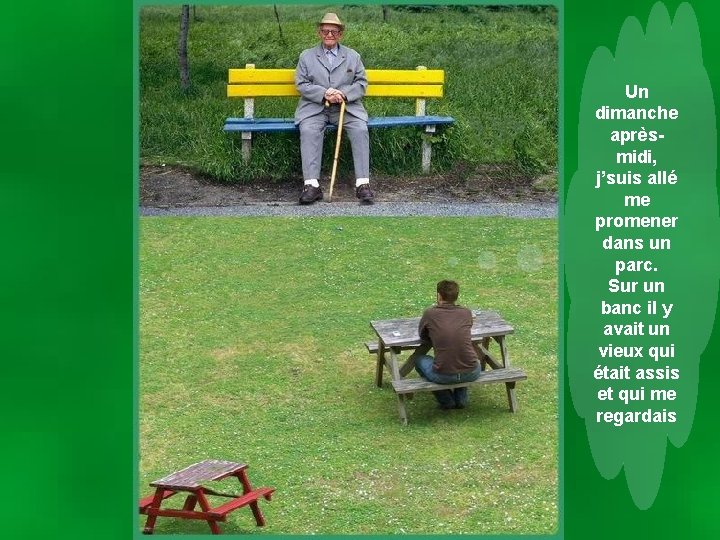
x,y
332,18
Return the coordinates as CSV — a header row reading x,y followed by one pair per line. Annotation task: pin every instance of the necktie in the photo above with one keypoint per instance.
x,y
330,57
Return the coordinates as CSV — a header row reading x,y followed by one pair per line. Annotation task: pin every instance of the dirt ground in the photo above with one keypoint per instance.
x,y
166,187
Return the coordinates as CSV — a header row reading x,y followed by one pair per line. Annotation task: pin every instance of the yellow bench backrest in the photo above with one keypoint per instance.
x,y
420,83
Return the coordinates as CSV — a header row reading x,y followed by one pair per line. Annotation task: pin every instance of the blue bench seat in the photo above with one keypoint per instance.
x,y
287,124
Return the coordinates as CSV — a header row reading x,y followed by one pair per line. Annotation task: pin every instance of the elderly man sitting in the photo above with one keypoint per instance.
x,y
327,75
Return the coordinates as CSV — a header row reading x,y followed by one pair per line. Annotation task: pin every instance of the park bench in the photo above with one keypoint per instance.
x,y
193,480
250,83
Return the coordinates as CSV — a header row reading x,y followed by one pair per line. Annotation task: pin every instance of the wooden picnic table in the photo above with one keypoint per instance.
x,y
193,480
397,335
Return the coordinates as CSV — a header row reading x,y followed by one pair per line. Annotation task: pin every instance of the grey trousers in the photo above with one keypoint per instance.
x,y
312,133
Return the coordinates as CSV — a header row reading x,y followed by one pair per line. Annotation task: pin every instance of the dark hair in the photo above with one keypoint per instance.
x,y
448,290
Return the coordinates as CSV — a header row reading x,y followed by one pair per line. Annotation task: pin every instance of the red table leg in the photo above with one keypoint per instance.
x,y
247,488
205,506
152,518
190,503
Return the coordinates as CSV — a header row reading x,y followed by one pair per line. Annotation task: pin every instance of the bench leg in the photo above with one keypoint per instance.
x,y
426,142
483,358
247,488
246,147
248,112
380,364
512,399
503,351
244,480
259,518
409,364
152,518
190,503
401,409
426,156
205,506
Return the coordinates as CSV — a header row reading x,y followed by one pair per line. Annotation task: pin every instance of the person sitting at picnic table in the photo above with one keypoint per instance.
x,y
445,327
327,75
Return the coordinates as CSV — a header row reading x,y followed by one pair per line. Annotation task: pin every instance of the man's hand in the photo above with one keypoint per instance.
x,y
333,95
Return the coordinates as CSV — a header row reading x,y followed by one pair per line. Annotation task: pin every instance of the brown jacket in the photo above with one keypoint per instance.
x,y
447,328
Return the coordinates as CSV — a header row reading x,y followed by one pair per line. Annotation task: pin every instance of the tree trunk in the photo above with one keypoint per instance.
x,y
182,48
277,18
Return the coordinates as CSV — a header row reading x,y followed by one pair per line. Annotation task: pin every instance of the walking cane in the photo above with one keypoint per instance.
x,y
337,149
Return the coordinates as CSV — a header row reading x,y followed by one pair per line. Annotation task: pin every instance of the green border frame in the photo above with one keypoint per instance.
x,y
595,507
69,296
138,5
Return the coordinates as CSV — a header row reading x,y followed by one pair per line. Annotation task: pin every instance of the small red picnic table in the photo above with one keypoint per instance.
x,y
191,480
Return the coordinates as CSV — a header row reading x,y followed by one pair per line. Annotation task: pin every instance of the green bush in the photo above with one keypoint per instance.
x,y
501,85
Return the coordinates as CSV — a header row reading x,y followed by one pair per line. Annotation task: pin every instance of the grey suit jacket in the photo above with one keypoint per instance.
x,y
313,76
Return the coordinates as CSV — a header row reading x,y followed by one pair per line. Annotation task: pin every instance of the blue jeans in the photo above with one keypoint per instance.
x,y
457,397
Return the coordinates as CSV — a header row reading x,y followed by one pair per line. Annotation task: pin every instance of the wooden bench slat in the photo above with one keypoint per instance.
x,y
145,502
373,90
221,511
261,90
374,76
288,125
285,125
399,121
372,346
405,76
259,76
407,386
180,513
405,90
238,120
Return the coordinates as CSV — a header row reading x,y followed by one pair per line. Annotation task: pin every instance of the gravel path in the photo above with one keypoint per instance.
x,y
390,209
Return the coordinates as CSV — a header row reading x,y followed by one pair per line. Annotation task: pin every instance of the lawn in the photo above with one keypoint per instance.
x,y
251,350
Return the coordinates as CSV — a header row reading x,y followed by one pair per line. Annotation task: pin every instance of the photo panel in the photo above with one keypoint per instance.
x,y
287,328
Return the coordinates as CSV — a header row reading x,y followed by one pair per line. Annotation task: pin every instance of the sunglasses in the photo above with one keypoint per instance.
x,y
332,33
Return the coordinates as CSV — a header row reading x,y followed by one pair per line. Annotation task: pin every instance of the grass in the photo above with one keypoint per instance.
x,y
500,64
251,346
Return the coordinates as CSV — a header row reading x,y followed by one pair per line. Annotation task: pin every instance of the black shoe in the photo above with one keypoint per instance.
x,y
459,405
310,194
365,194
444,407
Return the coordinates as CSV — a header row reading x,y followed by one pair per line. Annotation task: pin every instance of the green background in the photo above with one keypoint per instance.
x,y
68,188
691,274
687,500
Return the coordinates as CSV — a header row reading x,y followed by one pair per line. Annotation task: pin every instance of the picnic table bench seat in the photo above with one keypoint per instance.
x,y
421,83
502,375
372,346
509,376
